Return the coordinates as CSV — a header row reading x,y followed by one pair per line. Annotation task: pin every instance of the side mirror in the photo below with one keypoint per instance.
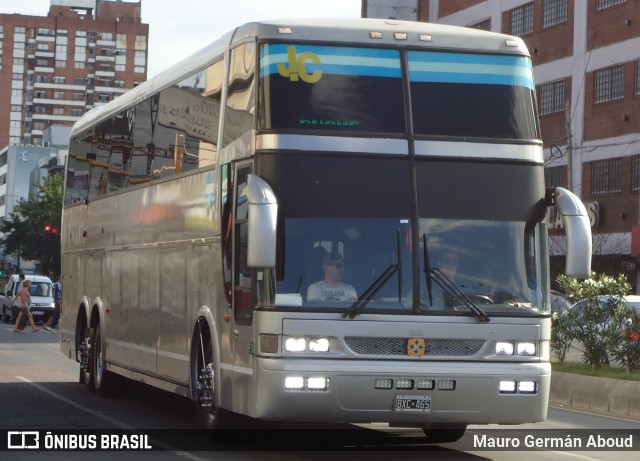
x,y
262,218
578,231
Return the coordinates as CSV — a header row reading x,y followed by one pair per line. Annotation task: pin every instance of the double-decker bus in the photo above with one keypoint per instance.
x,y
321,220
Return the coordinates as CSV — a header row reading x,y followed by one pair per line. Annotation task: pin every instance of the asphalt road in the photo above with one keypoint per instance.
x,y
40,393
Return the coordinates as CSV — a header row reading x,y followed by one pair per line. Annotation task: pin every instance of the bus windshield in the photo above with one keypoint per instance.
x,y
330,263
329,89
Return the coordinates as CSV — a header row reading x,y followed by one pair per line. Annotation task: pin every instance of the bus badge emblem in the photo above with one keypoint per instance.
x,y
416,347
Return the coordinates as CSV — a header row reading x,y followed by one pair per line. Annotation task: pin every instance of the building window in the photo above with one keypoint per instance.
x,y
522,20
554,12
138,69
635,180
609,84
78,65
76,112
58,79
61,64
58,95
602,4
58,111
552,97
605,176
638,77
555,176
482,25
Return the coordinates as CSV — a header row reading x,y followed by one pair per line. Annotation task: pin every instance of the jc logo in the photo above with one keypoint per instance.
x,y
296,68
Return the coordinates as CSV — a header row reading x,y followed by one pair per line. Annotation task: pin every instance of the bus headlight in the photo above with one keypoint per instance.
x,y
504,348
525,348
293,344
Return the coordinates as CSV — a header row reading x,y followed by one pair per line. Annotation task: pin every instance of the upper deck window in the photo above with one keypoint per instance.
x,y
329,89
472,95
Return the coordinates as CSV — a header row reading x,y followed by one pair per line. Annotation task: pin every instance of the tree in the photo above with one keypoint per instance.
x,y
24,233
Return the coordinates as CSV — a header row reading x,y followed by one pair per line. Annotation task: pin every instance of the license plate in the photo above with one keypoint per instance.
x,y
37,313
412,403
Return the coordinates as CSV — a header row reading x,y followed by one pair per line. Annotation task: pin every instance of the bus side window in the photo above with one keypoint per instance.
x,y
227,228
243,277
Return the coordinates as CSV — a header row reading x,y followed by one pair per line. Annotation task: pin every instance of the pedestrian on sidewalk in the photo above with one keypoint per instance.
x,y
23,302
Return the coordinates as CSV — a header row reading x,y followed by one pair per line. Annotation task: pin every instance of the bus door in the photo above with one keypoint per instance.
x,y
242,295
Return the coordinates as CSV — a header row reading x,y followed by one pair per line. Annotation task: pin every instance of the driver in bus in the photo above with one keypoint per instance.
x,y
332,288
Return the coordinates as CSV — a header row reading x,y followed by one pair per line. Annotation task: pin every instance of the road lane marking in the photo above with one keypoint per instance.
x,y
109,419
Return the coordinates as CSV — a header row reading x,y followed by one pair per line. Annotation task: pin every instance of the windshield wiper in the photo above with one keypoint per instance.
x,y
359,305
447,285
452,289
427,268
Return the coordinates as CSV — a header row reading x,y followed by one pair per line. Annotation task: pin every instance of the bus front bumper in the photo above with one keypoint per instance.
x,y
451,392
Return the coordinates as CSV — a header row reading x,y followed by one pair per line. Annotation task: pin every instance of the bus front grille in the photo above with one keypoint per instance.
x,y
398,346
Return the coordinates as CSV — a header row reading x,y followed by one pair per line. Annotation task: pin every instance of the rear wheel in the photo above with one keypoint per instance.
x,y
86,361
444,433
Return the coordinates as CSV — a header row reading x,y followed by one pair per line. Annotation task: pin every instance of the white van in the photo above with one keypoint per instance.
x,y
41,292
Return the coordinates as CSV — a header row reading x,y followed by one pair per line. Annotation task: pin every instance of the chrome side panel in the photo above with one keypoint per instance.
x,y
154,262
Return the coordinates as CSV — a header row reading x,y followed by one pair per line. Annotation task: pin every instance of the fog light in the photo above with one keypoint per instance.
x,y
404,383
527,387
425,384
447,385
383,383
317,383
526,349
507,387
504,348
294,382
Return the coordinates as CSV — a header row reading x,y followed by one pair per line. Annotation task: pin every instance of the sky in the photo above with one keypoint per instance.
x,y
178,28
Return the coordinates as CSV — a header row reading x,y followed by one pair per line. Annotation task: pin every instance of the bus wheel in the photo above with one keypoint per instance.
x,y
103,379
208,415
86,361
444,433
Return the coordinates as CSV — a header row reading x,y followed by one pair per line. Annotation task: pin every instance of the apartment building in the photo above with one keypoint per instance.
x,y
53,68
586,57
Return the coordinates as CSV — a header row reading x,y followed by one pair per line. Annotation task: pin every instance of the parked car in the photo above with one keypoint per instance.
x,y
579,307
559,303
41,291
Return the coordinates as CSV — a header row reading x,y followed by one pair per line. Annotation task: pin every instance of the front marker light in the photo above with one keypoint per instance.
x,y
526,349
504,348
295,345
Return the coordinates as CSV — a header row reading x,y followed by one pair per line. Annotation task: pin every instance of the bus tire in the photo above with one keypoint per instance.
x,y
208,415
87,374
103,379
444,433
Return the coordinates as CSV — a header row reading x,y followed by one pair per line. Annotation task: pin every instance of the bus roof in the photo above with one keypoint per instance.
x,y
364,31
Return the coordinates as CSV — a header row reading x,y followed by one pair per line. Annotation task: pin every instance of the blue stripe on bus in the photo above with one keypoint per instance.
x,y
470,68
334,60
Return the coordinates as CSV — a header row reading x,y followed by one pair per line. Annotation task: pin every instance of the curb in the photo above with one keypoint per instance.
x,y
605,396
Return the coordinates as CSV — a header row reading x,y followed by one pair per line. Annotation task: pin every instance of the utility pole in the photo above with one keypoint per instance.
x,y
567,114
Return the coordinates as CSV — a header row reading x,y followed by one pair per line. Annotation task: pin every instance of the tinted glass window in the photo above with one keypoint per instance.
x,y
328,89
468,95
